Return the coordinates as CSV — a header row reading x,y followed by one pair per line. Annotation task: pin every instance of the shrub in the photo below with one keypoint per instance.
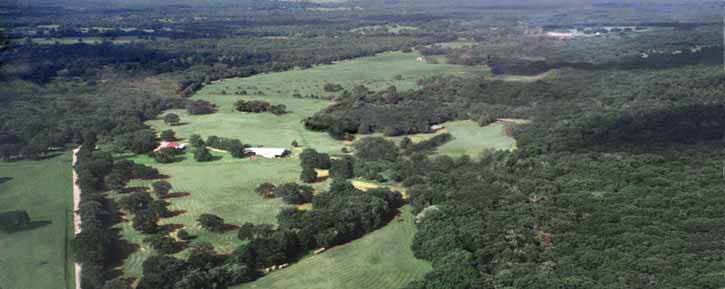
x,y
233,146
308,175
200,107
279,109
14,221
265,190
160,208
146,222
376,148
161,188
118,283
168,135
115,180
195,140
136,202
332,87
258,106
137,142
202,154
211,222
172,119
165,156
184,235
342,168
293,193
162,244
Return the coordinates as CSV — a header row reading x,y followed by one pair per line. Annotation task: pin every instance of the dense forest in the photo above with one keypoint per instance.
x,y
615,184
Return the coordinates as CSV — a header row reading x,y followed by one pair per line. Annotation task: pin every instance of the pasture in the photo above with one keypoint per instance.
x,y
378,72
226,186
44,189
381,259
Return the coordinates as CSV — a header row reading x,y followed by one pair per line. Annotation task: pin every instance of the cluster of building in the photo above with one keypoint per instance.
x,y
265,152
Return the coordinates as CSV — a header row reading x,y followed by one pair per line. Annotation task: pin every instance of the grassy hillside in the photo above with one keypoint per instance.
x,y
37,258
382,259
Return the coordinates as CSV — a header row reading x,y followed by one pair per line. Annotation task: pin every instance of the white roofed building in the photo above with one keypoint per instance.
x,y
267,152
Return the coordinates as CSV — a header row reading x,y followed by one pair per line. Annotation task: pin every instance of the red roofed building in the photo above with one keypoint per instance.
x,y
170,145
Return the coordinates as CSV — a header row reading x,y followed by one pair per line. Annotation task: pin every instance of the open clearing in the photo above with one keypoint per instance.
x,y
44,190
527,78
468,137
390,28
226,186
381,259
266,129
471,139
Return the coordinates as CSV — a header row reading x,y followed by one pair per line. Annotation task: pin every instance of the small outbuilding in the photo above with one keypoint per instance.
x,y
437,127
170,145
269,153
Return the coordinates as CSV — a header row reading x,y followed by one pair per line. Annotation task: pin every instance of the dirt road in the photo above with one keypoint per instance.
x,y
76,214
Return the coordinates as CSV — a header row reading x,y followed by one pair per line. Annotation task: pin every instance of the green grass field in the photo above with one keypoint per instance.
x,y
277,88
381,259
224,187
471,139
38,258
468,138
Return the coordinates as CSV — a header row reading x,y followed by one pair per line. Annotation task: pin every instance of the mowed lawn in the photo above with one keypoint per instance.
x,y
381,259
38,258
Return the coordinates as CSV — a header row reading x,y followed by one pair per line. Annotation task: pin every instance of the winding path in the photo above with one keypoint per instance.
x,y
76,214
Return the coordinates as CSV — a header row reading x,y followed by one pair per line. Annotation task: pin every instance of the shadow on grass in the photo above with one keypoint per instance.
x,y
122,249
5,179
158,177
168,228
176,195
133,189
175,213
31,226
37,224
229,227
179,159
49,156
